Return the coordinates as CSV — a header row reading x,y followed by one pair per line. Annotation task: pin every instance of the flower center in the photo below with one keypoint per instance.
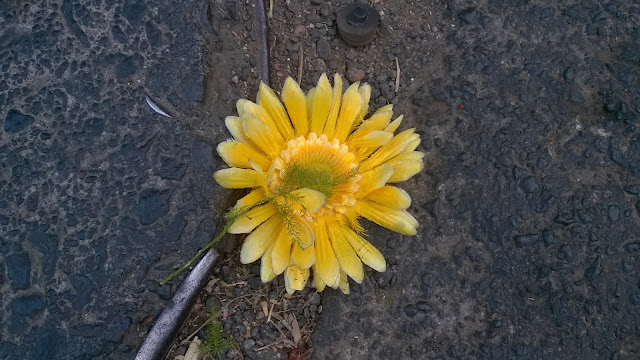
x,y
316,163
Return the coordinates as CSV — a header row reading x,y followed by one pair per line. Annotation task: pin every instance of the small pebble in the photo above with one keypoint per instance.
x,y
313,18
323,49
299,31
423,306
410,310
529,185
248,344
354,74
569,74
613,213
576,97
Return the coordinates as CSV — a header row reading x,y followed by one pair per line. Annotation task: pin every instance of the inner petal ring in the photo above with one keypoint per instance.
x,y
316,163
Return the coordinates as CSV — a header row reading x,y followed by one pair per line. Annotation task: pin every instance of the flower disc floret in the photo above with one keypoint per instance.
x,y
314,162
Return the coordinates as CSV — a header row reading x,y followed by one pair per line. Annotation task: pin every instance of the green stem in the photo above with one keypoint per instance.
x,y
226,227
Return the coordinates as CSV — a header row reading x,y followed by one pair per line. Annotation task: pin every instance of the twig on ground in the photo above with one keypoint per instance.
x,y
397,75
270,313
186,340
237,349
284,337
306,303
266,346
273,40
300,62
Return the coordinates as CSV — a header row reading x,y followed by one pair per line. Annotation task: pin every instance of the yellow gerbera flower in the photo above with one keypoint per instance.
x,y
315,166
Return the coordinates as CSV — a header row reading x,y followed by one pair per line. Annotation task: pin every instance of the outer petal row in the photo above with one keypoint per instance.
x,y
397,220
234,178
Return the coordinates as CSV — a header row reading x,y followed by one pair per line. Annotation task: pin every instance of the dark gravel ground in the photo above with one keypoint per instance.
x,y
529,245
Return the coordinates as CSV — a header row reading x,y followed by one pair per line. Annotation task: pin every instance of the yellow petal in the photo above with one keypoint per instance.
x,y
344,283
235,178
351,218
259,240
320,284
366,252
351,106
266,269
295,279
409,218
386,152
246,108
270,102
327,266
403,170
374,179
305,234
261,134
374,138
365,93
252,218
392,219
257,168
408,155
309,104
347,257
384,109
335,283
377,121
321,105
391,196
295,102
251,198
412,144
281,253
308,200
330,126
235,125
303,258
393,126
237,154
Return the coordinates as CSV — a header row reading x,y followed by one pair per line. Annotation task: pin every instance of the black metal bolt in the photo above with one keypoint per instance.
x,y
357,23
358,16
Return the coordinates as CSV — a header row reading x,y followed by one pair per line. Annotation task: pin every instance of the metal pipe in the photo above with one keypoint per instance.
x,y
168,324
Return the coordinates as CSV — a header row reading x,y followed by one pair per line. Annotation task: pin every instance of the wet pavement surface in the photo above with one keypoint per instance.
x,y
100,197
529,245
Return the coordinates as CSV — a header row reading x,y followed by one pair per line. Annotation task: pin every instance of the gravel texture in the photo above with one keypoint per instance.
x,y
529,206
262,320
